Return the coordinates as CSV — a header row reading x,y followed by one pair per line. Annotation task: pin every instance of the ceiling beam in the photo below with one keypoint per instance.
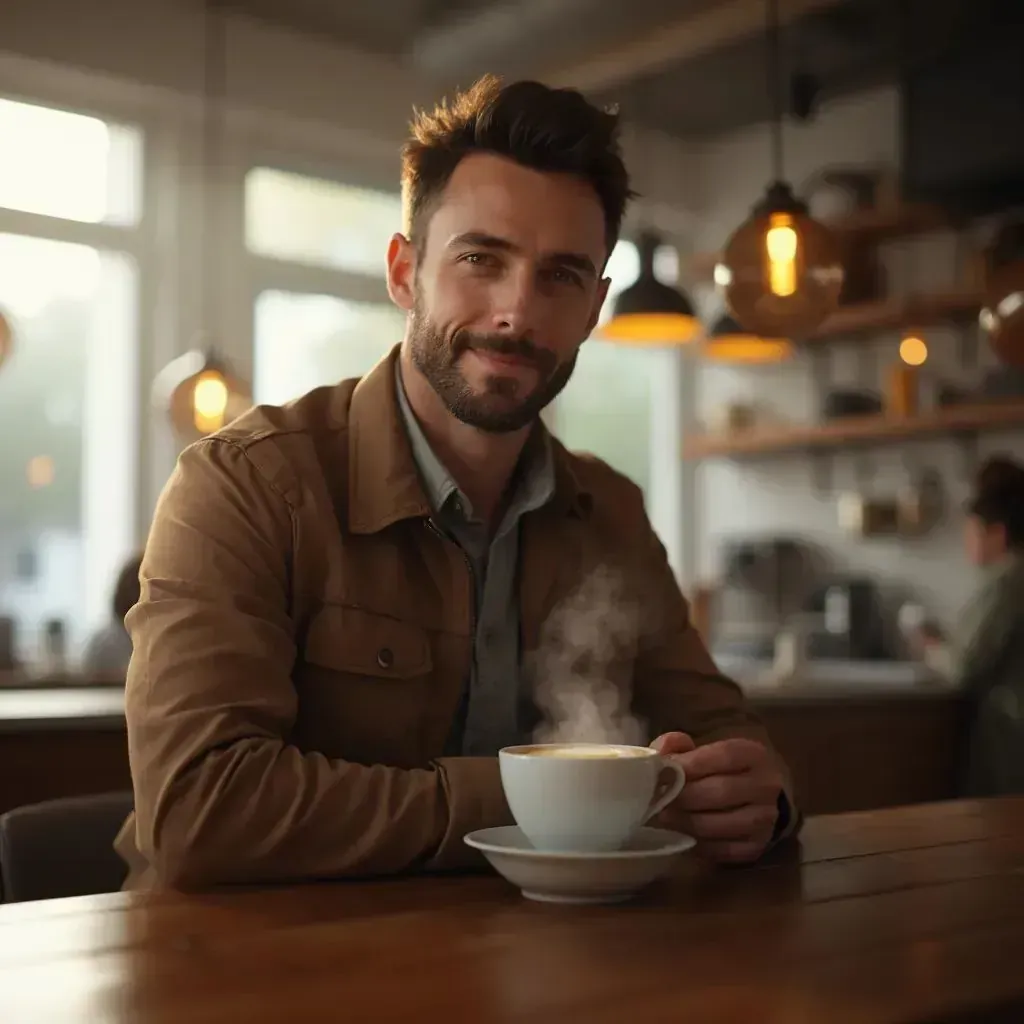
x,y
473,42
673,42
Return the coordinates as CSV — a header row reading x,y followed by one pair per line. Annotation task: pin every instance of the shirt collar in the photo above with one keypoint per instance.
x,y
536,472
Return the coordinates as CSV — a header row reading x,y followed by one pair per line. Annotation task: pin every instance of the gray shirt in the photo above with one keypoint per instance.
x,y
493,709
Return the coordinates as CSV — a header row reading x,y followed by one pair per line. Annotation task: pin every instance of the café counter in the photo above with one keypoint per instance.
x,y
850,746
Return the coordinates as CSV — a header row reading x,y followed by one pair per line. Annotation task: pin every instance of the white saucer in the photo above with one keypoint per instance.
x,y
580,878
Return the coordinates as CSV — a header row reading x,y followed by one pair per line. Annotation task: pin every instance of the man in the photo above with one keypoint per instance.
x,y
338,594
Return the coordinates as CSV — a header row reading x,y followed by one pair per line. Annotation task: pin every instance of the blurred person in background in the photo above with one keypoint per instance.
x,y
109,649
988,647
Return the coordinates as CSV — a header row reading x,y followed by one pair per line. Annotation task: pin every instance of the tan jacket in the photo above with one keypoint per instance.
x,y
302,640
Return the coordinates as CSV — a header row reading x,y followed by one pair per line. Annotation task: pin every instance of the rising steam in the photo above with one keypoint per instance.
x,y
582,668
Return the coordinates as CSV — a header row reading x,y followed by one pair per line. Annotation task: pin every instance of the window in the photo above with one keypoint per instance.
x,y
606,408
303,341
68,391
324,223
341,324
68,165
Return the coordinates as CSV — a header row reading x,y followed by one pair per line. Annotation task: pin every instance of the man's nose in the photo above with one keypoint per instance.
x,y
514,303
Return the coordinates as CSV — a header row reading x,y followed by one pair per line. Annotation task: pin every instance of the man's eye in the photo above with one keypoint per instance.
x,y
561,275
478,259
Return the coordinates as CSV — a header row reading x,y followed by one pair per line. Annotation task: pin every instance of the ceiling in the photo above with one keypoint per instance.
x,y
691,68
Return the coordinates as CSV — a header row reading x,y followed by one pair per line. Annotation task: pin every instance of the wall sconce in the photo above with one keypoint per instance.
x,y
199,395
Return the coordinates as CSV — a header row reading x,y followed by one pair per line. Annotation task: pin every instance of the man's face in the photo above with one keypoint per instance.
x,y
503,289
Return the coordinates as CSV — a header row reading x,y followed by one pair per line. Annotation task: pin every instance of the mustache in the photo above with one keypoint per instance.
x,y
517,348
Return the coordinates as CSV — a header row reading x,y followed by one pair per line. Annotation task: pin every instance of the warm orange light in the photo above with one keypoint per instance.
x,y
209,401
650,328
781,245
747,348
40,472
914,350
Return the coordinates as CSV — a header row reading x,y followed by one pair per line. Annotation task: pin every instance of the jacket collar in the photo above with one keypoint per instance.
x,y
384,485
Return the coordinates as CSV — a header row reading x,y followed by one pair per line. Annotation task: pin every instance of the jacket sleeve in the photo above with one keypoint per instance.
x,y
677,687
221,795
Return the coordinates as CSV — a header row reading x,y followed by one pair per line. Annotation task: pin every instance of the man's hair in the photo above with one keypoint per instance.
x,y
999,497
546,129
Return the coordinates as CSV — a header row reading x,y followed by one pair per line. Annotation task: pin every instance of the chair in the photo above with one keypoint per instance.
x,y
62,847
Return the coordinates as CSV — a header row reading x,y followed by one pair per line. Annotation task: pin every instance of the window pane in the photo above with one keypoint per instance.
x,y
68,417
606,408
307,220
68,165
303,341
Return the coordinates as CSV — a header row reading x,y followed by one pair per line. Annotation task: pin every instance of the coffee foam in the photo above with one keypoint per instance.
x,y
594,753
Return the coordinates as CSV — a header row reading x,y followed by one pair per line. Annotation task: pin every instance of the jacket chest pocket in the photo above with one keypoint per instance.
x,y
364,686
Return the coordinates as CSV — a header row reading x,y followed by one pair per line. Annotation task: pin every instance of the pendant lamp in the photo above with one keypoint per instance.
x,y
197,391
781,272
199,394
728,342
650,312
1002,316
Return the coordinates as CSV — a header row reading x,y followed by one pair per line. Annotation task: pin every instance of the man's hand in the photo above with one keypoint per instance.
x,y
730,803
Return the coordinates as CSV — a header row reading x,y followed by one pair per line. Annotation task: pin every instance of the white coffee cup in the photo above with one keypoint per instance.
x,y
584,797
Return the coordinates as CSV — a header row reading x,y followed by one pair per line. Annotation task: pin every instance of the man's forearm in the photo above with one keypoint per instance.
x,y
263,811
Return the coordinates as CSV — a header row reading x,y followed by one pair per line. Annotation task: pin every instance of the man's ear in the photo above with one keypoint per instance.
x,y
402,258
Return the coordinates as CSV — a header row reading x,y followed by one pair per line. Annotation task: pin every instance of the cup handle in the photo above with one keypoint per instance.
x,y
675,787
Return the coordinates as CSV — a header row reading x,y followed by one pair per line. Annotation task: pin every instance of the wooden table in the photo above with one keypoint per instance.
x,y
900,915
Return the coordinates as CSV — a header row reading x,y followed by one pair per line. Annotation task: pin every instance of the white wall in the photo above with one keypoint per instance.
x,y
777,496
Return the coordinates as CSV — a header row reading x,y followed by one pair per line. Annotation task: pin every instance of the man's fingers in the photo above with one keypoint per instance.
x,y
726,757
725,792
753,823
673,743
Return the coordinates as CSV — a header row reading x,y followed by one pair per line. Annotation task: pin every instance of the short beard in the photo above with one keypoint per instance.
x,y
436,357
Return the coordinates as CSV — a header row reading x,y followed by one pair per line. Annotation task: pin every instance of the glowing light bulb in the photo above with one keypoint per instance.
x,y
781,244
209,401
913,350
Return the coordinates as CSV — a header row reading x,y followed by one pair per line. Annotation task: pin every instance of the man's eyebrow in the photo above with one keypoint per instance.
x,y
483,240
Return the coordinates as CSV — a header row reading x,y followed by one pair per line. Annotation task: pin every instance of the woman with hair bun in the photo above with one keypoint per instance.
x,y
988,650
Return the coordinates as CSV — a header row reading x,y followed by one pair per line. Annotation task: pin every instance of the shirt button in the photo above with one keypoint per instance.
x,y
385,657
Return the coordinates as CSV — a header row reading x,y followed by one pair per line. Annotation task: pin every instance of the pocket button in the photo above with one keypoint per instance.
x,y
385,657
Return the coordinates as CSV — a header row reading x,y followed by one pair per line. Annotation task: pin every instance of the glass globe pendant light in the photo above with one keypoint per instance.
x,y
1002,316
199,394
781,272
650,312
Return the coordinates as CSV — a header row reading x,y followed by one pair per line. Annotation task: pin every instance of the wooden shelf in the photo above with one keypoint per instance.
x,y
900,312
875,225
857,430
